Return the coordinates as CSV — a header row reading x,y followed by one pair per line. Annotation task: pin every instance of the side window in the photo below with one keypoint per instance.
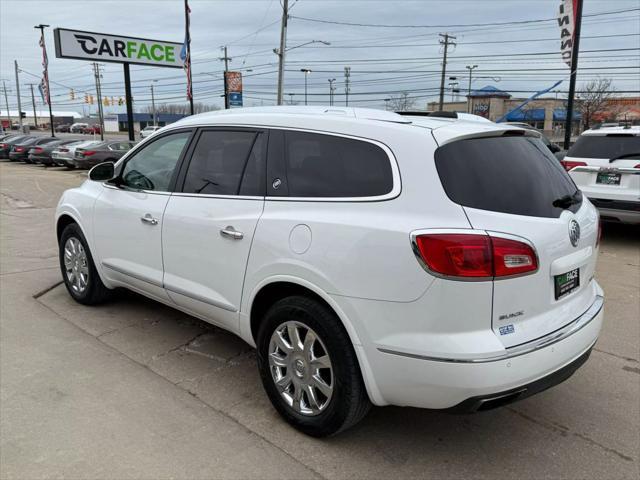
x,y
152,167
221,159
321,165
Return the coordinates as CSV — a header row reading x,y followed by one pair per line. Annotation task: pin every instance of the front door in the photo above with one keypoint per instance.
x,y
208,226
128,215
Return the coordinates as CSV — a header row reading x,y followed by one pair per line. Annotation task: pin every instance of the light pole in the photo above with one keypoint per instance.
x,y
454,90
153,105
470,68
331,90
282,50
306,72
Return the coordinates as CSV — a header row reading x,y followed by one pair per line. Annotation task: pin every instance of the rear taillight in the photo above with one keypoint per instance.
x,y
570,165
637,166
37,150
18,149
475,256
88,153
3,145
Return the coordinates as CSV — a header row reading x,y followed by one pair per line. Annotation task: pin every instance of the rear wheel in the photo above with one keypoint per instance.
x,y
78,270
309,368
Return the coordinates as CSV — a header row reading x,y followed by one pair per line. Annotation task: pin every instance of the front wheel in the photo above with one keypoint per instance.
x,y
309,368
78,270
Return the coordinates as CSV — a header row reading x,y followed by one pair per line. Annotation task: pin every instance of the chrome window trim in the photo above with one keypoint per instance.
x,y
545,341
396,188
466,231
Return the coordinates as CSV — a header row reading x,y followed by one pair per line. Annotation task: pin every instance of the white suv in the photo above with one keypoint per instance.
x,y
369,257
605,164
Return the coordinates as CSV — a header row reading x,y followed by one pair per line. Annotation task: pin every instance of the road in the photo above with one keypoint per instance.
x,y
136,389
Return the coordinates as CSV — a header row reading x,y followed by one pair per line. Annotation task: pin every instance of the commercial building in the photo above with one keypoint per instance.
x,y
118,122
42,118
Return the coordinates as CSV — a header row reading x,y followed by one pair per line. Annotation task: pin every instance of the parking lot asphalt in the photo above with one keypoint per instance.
x,y
136,389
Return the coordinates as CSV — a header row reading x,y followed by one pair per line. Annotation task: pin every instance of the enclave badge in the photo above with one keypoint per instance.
x,y
574,232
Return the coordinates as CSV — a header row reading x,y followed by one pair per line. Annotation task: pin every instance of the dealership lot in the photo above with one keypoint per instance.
x,y
136,389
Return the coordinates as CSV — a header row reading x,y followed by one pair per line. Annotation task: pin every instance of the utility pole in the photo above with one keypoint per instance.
x,y
470,68
446,42
96,73
153,105
226,59
331,90
574,72
33,102
281,50
347,75
6,101
15,62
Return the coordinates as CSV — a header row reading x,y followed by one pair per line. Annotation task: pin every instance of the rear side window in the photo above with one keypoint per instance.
x,y
329,166
219,162
606,146
516,175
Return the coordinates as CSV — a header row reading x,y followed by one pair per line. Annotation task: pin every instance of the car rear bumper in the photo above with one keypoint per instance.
x,y
483,381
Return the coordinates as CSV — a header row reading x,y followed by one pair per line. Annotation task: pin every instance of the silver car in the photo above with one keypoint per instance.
x,y
64,154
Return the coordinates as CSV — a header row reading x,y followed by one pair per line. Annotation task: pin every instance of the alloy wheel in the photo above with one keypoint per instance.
x,y
75,264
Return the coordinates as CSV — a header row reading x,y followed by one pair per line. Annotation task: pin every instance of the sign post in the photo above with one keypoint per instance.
x,y
102,47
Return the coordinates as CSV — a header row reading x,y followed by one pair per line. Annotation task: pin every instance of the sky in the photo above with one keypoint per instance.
x,y
401,53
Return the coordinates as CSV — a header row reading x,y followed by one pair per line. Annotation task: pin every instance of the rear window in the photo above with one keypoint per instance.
x,y
331,166
605,146
516,175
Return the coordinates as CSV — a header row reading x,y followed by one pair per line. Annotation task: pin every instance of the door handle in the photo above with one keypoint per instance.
x,y
232,233
149,219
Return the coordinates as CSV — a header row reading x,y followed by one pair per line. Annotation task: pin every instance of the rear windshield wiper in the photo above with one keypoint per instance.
x,y
566,201
625,155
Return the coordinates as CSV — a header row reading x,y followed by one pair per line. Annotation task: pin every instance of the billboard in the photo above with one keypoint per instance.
x,y
233,82
102,47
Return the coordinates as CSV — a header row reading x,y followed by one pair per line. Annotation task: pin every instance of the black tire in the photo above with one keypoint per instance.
x,y
349,402
95,291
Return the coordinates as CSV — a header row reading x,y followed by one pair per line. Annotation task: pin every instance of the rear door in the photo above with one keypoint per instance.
x,y
209,224
511,186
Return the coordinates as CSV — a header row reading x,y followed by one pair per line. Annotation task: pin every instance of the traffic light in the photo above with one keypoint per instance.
x,y
86,98
91,99
72,94
120,101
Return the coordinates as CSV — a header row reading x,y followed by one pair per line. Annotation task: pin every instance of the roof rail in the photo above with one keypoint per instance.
x,y
422,113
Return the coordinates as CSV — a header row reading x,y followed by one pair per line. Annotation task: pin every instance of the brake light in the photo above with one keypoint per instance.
x,y
570,165
18,149
637,166
88,153
475,256
37,150
3,145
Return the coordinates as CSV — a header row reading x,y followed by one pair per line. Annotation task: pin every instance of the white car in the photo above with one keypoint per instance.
x,y
149,130
605,164
369,259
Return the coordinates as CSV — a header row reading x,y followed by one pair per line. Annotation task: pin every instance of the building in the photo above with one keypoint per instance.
x,y
118,122
547,114
41,120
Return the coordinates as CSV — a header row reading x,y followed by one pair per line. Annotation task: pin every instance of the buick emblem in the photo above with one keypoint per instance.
x,y
574,232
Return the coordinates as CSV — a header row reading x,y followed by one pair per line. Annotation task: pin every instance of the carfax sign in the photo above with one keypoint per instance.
x,y
102,47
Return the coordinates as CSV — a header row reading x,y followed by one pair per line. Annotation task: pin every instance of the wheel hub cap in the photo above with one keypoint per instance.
x,y
301,368
76,266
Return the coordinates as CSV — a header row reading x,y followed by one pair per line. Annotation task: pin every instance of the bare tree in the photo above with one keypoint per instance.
x,y
594,97
401,103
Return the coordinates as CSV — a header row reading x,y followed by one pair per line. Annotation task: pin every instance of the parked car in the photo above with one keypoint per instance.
x,y
605,164
64,128
8,142
42,153
149,130
92,129
78,127
20,151
88,156
63,155
370,259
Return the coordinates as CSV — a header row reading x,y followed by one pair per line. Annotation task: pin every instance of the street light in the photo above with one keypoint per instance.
x,y
306,72
281,55
470,68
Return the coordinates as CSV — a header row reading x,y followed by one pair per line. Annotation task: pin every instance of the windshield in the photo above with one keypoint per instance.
x,y
516,175
606,146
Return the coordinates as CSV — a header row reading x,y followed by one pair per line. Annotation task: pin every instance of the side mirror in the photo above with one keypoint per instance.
x,y
554,148
102,171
